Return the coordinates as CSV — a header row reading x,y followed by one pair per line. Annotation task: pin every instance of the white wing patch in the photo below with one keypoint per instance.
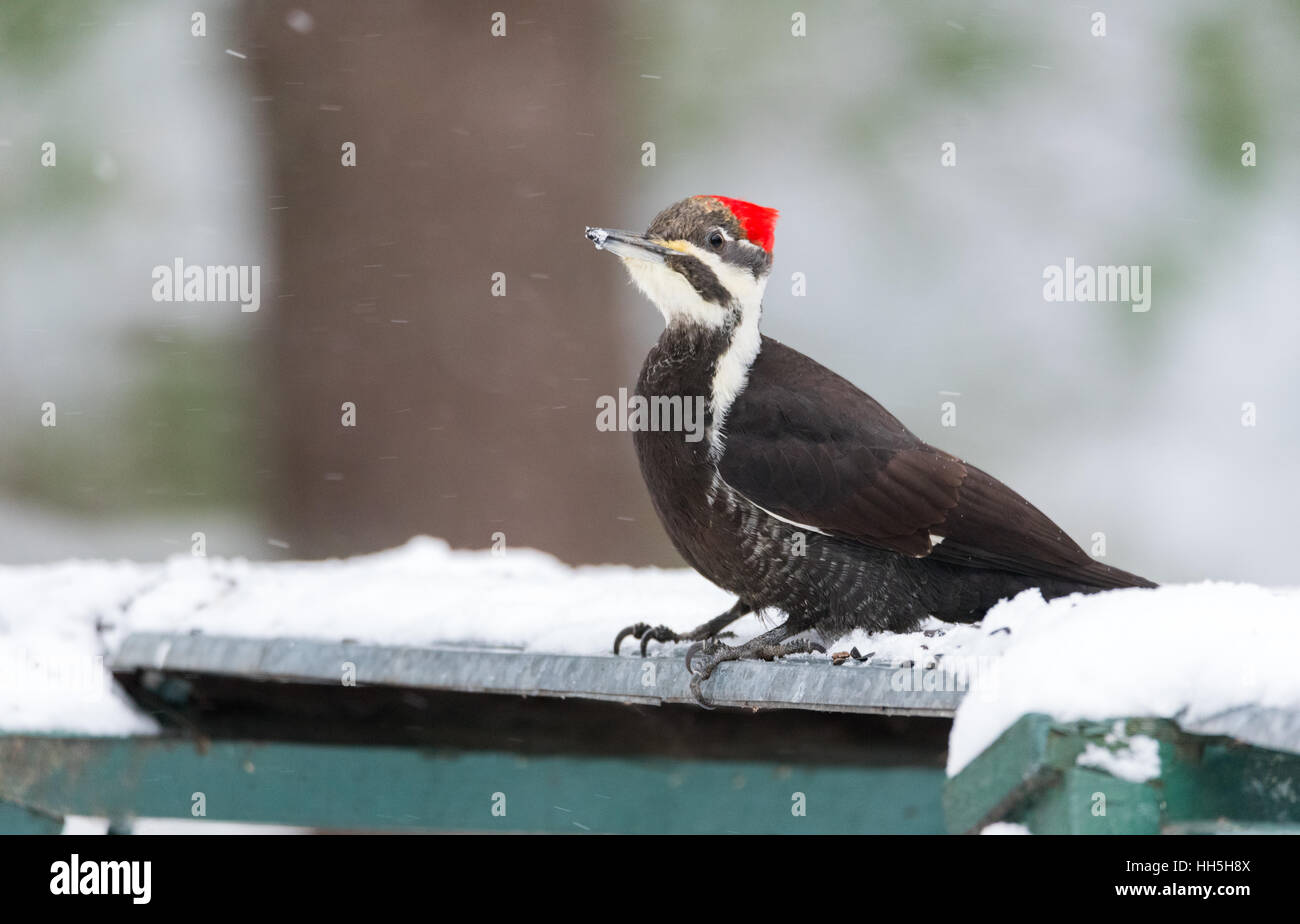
x,y
719,480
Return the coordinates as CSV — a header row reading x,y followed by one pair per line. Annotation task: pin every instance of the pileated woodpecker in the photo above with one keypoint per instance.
x,y
806,496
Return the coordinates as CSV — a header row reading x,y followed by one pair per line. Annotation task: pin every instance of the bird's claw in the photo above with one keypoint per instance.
x,y
710,650
646,634
636,631
657,634
708,646
715,653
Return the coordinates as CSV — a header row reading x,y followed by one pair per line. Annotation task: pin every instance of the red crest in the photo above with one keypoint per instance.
x,y
759,222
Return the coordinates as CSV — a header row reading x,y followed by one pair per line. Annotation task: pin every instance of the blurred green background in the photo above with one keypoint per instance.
x,y
481,153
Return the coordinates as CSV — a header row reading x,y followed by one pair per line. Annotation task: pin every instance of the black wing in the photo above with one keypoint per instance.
x,y
809,446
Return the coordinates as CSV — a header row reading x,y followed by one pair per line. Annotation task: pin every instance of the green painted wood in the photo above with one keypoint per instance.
x,y
993,785
1223,779
1031,775
1036,759
1224,826
15,819
1086,801
364,788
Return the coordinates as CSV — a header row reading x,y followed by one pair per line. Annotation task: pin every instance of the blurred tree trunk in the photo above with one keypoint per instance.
x,y
474,155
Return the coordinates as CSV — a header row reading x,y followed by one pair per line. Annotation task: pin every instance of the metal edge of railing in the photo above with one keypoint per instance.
x,y
812,684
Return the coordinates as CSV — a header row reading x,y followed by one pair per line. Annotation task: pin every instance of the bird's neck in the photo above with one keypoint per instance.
x,y
712,362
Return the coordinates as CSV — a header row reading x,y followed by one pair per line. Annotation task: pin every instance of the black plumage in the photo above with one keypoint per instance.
x,y
813,464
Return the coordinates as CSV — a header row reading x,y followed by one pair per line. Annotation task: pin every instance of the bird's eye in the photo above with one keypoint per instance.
x,y
716,239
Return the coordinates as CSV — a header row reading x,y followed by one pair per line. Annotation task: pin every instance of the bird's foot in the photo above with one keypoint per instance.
x,y
709,630
646,634
712,653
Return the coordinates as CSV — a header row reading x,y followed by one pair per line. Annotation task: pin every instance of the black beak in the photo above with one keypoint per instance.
x,y
629,245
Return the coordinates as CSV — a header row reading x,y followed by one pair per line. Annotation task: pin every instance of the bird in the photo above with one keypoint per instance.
x,y
804,495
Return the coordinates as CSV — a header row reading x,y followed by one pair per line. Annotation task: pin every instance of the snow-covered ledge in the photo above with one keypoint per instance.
x,y
1216,658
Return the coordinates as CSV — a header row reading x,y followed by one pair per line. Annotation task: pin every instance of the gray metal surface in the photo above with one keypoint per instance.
x,y
794,684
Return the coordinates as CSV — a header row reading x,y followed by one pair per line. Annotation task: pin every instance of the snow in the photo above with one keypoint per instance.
x,y
52,676
1194,653
1136,758
88,825
422,593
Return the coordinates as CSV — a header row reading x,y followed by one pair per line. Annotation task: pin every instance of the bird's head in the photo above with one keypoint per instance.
x,y
703,261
